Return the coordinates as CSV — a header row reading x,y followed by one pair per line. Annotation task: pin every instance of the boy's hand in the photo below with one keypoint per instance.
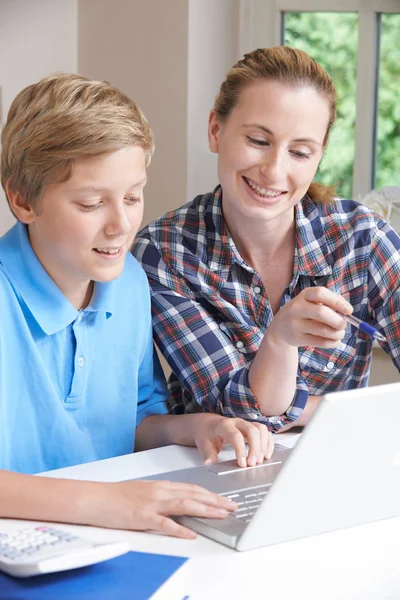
x,y
213,432
147,505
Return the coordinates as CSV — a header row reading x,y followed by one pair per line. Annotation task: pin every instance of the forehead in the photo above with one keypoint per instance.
x,y
281,107
121,167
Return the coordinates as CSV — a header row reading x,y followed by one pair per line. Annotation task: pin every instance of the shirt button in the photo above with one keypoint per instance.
x,y
81,361
253,416
274,419
330,365
239,345
257,289
222,326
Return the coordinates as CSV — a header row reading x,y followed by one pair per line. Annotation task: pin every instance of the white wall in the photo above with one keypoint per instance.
x,y
213,48
169,56
141,47
37,38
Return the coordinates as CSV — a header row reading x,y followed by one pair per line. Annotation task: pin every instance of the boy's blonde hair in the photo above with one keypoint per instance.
x,y
286,65
61,119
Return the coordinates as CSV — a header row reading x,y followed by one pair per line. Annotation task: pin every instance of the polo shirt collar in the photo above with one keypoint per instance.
x,y
103,299
44,299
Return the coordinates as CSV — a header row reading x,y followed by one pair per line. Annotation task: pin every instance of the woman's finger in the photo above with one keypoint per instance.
x,y
233,436
265,442
270,447
321,295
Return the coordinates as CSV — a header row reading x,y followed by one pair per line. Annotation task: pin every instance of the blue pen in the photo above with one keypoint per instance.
x,y
365,327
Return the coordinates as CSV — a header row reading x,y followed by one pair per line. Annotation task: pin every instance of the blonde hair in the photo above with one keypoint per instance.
x,y
286,65
61,119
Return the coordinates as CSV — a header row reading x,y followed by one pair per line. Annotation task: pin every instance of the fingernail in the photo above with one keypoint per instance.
x,y
191,535
252,461
242,462
261,458
222,512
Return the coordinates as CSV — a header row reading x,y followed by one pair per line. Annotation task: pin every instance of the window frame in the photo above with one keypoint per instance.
x,y
261,24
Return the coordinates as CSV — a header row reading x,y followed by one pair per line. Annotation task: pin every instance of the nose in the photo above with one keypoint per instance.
x,y
273,167
117,222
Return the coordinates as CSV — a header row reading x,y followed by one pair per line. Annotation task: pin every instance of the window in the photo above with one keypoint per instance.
x,y
337,53
388,124
358,43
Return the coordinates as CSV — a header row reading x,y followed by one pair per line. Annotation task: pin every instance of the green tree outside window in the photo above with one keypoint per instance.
x,y
331,39
388,129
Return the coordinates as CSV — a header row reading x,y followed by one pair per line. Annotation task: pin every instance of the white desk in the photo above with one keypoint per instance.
x,y
360,563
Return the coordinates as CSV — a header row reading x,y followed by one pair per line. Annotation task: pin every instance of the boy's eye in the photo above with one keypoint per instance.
x,y
132,199
257,141
88,207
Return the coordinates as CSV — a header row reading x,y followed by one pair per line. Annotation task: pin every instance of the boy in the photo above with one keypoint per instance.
x,y
77,371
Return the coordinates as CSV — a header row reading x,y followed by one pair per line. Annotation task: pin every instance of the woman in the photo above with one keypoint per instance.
x,y
250,283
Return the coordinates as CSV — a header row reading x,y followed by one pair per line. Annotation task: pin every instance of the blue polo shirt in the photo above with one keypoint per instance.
x,y
74,385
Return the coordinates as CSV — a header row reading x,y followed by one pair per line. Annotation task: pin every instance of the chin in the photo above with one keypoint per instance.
x,y
109,276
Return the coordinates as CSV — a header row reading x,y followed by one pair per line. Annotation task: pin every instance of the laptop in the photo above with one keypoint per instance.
x,y
343,471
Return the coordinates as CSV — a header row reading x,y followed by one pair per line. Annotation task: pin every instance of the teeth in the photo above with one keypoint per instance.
x,y
262,191
108,250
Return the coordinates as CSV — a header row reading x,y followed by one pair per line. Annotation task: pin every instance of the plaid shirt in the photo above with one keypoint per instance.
x,y
211,310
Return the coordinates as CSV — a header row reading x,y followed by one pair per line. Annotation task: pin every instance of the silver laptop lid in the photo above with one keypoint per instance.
x,y
344,471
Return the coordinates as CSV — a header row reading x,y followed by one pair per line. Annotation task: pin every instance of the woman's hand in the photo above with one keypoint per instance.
x,y
213,432
311,319
148,505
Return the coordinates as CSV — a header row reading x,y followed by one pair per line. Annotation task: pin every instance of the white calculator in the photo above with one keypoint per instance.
x,y
38,549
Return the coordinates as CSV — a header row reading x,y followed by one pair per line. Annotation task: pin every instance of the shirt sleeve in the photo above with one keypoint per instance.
x,y
152,389
213,373
384,289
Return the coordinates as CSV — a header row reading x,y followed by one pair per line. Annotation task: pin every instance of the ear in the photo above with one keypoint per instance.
x,y
21,209
214,128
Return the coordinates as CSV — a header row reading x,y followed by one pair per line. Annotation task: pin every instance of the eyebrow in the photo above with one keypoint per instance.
x,y
266,130
91,188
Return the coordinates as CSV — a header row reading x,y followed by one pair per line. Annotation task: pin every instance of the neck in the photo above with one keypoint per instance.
x,y
80,298
79,295
259,241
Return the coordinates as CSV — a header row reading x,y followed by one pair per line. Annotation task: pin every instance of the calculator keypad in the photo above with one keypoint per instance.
x,y
28,543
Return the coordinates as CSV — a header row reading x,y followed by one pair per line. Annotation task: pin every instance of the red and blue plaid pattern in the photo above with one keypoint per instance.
x,y
210,309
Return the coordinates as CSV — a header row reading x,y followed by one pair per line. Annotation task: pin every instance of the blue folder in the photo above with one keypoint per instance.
x,y
132,576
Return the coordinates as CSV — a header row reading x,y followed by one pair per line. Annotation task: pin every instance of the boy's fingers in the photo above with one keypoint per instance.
x,y
174,503
195,507
171,527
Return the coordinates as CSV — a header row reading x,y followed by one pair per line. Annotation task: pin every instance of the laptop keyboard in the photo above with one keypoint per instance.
x,y
248,501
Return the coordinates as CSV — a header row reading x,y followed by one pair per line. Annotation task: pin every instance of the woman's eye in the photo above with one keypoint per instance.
x,y
298,154
132,199
257,142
